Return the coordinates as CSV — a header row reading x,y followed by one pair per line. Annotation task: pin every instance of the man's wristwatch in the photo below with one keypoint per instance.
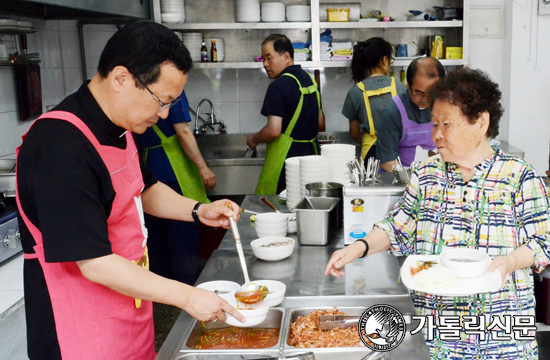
x,y
195,213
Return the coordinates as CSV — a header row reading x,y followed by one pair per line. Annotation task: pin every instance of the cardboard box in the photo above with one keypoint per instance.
x,y
453,52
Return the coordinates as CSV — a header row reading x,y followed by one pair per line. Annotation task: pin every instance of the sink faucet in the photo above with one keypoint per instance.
x,y
211,123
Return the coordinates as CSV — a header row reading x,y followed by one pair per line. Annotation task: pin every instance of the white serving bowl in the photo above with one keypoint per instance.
x,y
465,263
255,314
170,18
272,253
221,285
313,159
276,293
268,226
264,233
271,218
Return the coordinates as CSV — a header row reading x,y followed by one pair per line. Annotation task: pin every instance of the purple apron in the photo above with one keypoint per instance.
x,y
414,135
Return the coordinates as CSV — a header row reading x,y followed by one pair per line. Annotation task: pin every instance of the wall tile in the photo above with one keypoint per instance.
x,y
253,84
226,112
94,42
53,86
11,131
50,49
50,25
73,80
218,85
8,99
68,25
335,83
251,119
70,49
334,119
91,72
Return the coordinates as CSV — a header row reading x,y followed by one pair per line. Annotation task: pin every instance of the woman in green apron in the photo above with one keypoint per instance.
x,y
370,68
174,245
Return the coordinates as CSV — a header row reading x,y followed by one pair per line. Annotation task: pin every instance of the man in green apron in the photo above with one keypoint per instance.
x,y
171,152
293,109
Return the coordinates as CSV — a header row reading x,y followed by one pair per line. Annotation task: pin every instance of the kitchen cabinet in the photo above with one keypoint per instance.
x,y
242,40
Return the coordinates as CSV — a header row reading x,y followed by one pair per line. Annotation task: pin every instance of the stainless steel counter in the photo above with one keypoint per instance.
x,y
373,280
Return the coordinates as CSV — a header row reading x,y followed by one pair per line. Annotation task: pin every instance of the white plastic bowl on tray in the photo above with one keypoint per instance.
x,y
272,253
276,290
254,313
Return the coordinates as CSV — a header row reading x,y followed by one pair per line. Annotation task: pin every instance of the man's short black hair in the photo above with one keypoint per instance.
x,y
281,44
142,47
438,69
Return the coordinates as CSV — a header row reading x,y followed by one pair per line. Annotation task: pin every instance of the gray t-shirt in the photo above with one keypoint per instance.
x,y
390,131
354,105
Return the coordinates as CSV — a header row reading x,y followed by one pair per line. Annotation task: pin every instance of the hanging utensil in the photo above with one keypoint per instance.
x,y
237,238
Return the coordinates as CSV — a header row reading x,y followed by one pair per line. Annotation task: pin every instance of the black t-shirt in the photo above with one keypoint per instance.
x,y
66,191
281,99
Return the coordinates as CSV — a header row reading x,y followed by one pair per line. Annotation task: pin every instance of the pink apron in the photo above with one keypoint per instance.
x,y
93,321
414,135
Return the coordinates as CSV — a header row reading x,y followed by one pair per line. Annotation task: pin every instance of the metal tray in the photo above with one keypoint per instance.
x,y
274,319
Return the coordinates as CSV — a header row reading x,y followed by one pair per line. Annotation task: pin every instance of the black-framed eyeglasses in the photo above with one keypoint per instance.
x,y
163,106
392,60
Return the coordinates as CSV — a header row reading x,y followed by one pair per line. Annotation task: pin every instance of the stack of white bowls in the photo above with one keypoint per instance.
x,y
339,155
273,12
298,13
247,11
271,224
292,176
313,168
193,43
220,47
172,11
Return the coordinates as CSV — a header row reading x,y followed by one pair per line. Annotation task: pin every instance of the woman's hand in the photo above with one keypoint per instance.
x,y
504,264
217,214
342,257
205,305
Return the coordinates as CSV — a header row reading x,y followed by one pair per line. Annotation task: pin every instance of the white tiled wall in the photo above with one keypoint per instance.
x,y
57,43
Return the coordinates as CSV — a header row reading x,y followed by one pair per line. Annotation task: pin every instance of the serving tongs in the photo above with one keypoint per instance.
x,y
327,322
239,245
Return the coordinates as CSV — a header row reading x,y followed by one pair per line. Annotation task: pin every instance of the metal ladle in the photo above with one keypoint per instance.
x,y
251,293
237,238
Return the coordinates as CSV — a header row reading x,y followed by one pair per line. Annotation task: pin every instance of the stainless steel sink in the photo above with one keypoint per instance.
x,y
237,168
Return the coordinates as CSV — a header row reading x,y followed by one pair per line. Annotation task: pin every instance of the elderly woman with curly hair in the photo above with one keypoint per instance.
x,y
470,196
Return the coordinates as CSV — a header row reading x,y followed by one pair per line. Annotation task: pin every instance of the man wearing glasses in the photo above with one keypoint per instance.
x,y
82,190
407,121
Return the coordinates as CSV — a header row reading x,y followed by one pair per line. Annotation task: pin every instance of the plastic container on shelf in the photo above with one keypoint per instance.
x,y
338,14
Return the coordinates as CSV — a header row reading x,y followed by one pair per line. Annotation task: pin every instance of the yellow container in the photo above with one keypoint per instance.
x,y
341,15
453,52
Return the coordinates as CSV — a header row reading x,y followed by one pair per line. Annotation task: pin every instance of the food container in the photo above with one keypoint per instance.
x,y
316,226
276,293
436,46
453,52
272,253
338,15
329,189
225,289
465,263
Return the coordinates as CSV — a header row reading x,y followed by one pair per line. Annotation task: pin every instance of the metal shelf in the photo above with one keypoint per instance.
x,y
307,64
237,26
392,24
9,63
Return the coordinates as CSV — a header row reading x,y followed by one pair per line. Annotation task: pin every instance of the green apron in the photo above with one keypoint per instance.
x,y
187,173
278,149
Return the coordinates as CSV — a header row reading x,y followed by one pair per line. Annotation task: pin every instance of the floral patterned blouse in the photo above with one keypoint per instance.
x,y
504,206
